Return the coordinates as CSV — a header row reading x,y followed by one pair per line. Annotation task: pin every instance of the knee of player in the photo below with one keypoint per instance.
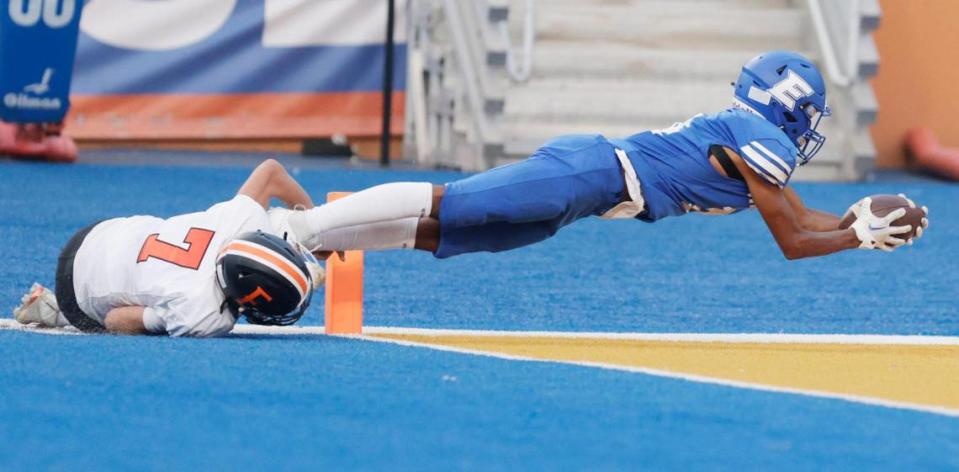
x,y
272,166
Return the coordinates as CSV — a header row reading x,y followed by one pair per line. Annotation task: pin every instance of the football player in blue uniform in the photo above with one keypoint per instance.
x,y
736,159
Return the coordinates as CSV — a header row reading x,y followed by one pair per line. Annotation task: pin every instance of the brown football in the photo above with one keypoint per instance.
x,y
882,205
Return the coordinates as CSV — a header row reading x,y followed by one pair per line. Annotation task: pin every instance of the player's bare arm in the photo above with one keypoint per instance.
x,y
795,240
271,180
125,320
809,218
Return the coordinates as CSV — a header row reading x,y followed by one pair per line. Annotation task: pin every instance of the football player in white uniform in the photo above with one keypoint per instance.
x,y
189,275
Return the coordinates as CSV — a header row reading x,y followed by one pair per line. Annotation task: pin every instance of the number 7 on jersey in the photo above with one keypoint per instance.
x,y
197,242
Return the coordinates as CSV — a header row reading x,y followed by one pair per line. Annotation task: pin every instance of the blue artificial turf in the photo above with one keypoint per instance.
x,y
103,402
94,403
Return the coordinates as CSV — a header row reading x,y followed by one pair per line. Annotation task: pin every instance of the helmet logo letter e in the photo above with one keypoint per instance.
x,y
790,89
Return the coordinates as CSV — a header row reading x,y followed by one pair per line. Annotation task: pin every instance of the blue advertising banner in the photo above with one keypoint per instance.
x,y
38,40
179,69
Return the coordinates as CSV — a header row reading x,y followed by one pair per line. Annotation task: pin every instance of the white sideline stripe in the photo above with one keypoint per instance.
x,y
762,338
758,338
688,377
10,324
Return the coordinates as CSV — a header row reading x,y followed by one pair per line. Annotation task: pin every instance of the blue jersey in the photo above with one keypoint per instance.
x,y
674,170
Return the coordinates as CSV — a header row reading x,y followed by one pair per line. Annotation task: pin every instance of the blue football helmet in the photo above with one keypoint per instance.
x,y
787,89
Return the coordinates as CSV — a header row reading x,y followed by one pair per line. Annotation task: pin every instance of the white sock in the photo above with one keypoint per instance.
x,y
380,204
395,234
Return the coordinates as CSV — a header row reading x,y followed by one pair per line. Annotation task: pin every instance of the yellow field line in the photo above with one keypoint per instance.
x,y
900,374
914,372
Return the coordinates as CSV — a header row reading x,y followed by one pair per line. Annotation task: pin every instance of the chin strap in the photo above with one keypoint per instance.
x,y
232,306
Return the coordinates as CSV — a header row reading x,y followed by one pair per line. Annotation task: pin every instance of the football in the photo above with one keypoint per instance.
x,y
882,205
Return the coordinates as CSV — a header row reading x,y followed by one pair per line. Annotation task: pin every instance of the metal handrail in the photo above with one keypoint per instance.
x,y
466,58
417,116
447,83
521,72
453,95
829,51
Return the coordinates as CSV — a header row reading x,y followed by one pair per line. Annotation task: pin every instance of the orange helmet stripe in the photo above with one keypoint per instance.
x,y
291,270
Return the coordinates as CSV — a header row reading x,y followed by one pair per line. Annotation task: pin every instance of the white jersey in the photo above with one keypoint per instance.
x,y
165,265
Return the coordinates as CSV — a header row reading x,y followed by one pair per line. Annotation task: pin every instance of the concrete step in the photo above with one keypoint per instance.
x,y
815,171
819,171
591,100
529,135
585,105
870,14
868,57
523,136
520,5
866,104
862,145
676,24
863,153
573,59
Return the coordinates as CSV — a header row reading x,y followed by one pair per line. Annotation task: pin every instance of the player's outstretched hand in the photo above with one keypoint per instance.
x,y
856,208
925,218
876,232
